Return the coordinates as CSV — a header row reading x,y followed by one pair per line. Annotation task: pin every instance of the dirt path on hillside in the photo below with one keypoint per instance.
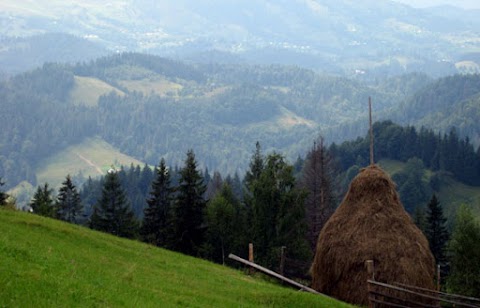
x,y
90,163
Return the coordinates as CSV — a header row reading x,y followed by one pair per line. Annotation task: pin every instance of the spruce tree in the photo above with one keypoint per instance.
x,y
69,206
464,249
112,213
156,214
221,214
436,230
42,201
278,214
256,166
187,215
317,179
420,218
214,185
3,195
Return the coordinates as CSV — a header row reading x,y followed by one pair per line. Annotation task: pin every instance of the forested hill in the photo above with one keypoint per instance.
x,y
150,107
450,102
18,54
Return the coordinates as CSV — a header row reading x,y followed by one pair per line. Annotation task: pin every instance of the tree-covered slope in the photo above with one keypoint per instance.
x,y
19,53
150,107
452,101
46,262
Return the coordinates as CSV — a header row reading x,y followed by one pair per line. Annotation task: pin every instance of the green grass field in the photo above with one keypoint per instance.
x,y
48,263
92,157
158,85
87,91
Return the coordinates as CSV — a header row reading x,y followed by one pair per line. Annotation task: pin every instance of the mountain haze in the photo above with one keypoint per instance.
x,y
379,37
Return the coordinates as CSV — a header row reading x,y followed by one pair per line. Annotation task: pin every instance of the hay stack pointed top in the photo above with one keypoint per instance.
x,y
370,224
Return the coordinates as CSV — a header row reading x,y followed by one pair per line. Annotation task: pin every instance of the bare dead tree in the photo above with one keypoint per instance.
x,y
318,180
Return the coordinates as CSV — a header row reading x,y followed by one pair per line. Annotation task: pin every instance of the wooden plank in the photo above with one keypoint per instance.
x,y
272,273
387,303
459,304
473,299
403,300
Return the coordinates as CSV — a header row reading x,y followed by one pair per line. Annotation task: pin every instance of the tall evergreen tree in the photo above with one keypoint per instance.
x,y
256,166
464,249
220,218
187,215
214,185
42,201
436,230
278,213
317,179
69,206
420,218
413,189
3,195
156,214
112,213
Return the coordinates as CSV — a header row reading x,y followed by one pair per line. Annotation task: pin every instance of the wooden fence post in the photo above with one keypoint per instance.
x,y
371,276
438,277
282,261
250,257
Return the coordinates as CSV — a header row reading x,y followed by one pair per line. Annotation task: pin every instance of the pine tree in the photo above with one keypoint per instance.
x,y
3,195
436,230
220,218
413,190
187,215
278,213
420,218
112,213
317,179
69,206
214,186
464,249
256,166
42,201
156,214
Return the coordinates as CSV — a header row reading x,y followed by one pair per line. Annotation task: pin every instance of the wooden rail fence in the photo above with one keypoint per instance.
x,y
403,296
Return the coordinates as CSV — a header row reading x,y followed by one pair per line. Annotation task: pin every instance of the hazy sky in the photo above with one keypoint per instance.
x,y
468,4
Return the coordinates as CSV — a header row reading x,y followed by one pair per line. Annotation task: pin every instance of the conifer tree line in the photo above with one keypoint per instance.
x,y
439,152
187,210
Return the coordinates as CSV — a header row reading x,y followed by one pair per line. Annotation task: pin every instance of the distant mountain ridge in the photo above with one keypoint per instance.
x,y
377,37
150,107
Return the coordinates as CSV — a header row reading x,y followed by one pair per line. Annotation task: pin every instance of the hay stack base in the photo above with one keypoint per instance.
x,y
370,224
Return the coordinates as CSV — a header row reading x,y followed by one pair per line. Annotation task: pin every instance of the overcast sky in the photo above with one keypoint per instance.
x,y
468,4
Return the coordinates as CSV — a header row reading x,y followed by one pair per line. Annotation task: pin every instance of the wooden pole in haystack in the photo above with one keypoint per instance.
x,y
371,130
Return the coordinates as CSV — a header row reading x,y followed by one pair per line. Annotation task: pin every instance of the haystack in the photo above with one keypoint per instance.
x,y
370,224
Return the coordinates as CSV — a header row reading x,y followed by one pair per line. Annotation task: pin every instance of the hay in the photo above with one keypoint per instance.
x,y
370,224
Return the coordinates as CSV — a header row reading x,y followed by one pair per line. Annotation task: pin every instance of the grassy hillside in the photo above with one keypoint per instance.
x,y
87,90
451,193
48,263
92,157
158,85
